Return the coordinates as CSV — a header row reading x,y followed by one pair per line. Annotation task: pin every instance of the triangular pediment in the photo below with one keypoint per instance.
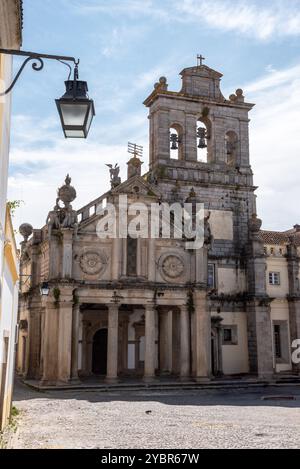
x,y
137,185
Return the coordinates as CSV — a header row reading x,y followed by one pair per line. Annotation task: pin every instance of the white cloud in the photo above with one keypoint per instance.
x,y
261,20
131,8
275,146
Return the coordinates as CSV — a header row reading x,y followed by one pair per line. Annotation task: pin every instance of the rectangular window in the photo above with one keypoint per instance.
x,y
131,257
211,276
274,278
227,335
277,341
230,335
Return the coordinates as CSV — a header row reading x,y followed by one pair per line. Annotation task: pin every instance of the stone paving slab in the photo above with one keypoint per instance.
x,y
206,418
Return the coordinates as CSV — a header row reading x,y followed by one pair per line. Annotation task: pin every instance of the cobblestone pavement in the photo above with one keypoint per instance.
x,y
170,419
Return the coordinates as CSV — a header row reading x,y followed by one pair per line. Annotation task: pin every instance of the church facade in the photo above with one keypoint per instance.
x,y
147,306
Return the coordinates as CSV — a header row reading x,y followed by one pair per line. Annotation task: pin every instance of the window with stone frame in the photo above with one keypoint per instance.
x,y
274,278
230,335
132,256
277,341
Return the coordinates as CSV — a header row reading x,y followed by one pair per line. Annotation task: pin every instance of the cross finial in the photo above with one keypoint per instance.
x,y
200,59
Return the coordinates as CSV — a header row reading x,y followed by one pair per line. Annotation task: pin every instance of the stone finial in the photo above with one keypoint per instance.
x,y
134,167
192,197
66,193
254,225
162,84
238,97
26,231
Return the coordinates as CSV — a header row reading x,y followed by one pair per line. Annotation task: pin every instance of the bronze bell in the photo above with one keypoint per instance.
x,y
174,140
201,134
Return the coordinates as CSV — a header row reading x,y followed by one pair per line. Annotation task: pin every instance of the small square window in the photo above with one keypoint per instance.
x,y
274,278
227,335
230,335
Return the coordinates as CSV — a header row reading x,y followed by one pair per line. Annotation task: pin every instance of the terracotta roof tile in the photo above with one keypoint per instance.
x,y
279,237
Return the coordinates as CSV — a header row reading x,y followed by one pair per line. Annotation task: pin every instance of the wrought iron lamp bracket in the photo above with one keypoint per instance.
x,y
38,63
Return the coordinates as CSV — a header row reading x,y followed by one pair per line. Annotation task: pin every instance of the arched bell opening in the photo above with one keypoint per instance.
x,y
176,142
204,153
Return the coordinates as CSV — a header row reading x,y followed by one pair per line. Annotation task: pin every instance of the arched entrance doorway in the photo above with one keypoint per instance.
x,y
99,358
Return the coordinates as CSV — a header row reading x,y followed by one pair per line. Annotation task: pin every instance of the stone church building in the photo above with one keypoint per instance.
x,y
148,307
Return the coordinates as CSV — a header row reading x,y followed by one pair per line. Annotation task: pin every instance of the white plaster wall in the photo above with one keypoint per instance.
x,y
235,357
9,306
278,264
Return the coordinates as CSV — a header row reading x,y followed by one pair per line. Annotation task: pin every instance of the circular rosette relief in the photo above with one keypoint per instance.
x,y
93,263
172,266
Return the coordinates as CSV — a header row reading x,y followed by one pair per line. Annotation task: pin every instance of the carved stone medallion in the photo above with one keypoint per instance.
x,y
93,263
172,266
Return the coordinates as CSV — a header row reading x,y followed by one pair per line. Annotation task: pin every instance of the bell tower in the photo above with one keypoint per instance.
x,y
197,128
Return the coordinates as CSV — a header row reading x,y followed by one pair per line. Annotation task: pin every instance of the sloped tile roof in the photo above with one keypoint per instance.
x,y
280,237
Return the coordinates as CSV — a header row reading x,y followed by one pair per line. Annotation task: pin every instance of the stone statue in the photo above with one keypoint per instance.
x,y
53,219
114,172
63,217
70,219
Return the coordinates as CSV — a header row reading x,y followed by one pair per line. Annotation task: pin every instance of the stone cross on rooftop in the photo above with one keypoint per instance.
x,y
200,59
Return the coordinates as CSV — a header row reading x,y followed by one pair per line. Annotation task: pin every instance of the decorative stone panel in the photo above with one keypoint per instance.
x,y
172,267
93,263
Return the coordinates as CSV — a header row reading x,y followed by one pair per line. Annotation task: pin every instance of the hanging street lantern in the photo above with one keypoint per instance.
x,y
76,110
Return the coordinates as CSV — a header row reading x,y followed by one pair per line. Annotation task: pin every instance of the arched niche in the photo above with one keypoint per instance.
x,y
231,148
204,146
176,142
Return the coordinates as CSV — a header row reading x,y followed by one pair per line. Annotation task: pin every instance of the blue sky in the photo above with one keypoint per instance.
x,y
124,47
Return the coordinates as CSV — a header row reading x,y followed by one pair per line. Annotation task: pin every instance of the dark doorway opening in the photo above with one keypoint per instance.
x,y
99,364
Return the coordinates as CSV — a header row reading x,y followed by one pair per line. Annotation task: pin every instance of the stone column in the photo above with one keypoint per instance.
x,y
112,343
184,342
139,257
150,347
116,258
175,342
67,252
260,338
34,335
190,137
75,341
65,336
50,344
202,337
164,366
151,260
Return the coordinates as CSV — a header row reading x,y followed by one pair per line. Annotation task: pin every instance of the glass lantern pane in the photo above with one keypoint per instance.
x,y
74,113
90,118
74,134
